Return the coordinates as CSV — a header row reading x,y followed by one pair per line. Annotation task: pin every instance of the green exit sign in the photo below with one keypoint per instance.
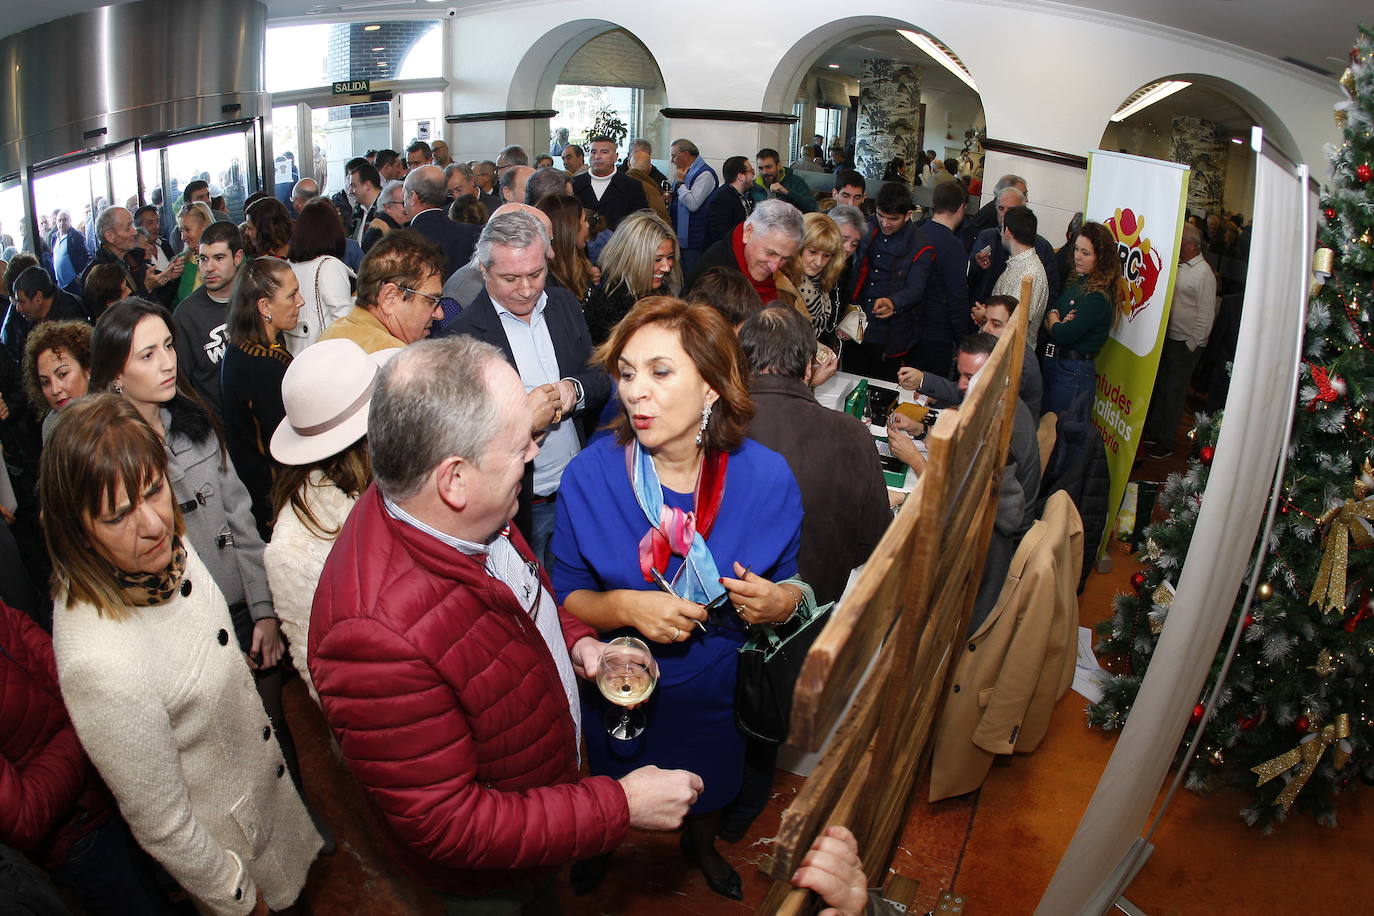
x,y
348,87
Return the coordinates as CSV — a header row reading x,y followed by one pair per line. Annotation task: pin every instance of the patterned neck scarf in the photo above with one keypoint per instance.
x,y
148,589
674,532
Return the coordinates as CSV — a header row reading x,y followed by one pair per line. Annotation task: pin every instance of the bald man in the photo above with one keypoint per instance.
x,y
466,283
306,190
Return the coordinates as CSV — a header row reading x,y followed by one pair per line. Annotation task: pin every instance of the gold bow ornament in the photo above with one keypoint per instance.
x,y
1308,754
1346,521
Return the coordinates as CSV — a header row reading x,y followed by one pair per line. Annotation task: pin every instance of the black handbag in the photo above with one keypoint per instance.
x,y
769,664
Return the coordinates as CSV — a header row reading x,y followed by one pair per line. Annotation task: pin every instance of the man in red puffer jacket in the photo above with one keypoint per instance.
x,y
445,669
53,806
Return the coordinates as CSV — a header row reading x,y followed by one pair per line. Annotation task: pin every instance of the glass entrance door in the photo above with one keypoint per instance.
x,y
342,132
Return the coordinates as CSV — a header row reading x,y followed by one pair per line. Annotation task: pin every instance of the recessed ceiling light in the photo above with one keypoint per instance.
x,y
379,48
833,66
1237,140
383,64
371,28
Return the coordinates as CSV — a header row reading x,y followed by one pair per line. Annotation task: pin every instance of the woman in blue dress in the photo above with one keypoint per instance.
x,y
679,489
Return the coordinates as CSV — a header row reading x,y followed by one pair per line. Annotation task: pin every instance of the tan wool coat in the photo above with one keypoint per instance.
x,y
1019,662
164,704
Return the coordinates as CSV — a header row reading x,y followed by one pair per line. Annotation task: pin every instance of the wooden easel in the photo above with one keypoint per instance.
x,y
911,605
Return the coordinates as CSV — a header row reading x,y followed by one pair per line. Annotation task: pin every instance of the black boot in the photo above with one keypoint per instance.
x,y
699,845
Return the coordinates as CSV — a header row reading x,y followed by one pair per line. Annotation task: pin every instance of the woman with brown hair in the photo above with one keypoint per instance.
x,y
679,491
160,696
57,367
266,304
271,226
132,354
316,254
570,265
321,450
104,284
1078,323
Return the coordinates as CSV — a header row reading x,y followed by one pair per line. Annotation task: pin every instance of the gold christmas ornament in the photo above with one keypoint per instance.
x,y
1328,593
1216,758
1152,550
1348,82
1341,117
1324,262
1308,754
1325,666
1360,417
1264,592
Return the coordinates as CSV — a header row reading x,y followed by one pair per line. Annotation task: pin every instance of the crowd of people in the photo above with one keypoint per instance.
x,y
429,443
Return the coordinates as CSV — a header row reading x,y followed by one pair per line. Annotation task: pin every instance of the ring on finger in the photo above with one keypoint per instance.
x,y
674,635
740,609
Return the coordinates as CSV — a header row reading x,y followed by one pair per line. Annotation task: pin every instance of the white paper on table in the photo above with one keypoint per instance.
x,y
1087,673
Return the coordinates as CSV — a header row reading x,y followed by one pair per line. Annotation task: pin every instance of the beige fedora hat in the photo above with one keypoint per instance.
x,y
326,392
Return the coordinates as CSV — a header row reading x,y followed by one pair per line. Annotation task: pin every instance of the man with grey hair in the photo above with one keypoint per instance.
x,y
305,190
990,253
484,174
694,183
986,217
459,180
544,337
546,181
757,248
390,213
118,244
445,668
466,284
426,200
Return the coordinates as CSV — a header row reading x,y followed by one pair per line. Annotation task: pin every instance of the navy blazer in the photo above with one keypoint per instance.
x,y
624,195
457,240
572,346
981,282
724,211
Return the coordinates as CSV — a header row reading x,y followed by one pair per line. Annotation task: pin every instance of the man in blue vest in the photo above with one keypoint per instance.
x,y
695,182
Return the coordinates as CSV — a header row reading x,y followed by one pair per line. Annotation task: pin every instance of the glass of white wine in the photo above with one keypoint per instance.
x,y
626,678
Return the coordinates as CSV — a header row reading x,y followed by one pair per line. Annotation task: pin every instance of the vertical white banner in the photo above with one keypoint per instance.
x,y
1095,868
1141,202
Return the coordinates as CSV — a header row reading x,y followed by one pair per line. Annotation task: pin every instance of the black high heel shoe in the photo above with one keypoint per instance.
x,y
728,885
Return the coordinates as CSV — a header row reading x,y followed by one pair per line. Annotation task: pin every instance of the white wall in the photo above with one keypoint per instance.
x,y
1072,70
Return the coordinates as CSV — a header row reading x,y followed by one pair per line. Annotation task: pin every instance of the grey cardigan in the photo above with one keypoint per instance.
x,y
217,509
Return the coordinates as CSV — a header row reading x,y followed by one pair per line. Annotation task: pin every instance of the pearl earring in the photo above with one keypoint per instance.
x,y
705,418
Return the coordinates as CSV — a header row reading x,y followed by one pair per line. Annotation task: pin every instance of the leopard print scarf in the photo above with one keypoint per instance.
x,y
147,589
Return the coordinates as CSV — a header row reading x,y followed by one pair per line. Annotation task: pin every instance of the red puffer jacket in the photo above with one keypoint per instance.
x,y
449,710
49,795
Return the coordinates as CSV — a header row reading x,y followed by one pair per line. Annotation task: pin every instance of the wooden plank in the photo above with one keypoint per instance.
x,y
912,605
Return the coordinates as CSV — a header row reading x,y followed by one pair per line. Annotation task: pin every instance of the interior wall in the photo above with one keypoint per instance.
x,y
501,49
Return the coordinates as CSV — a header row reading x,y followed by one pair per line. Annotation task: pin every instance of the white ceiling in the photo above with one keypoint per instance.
x,y
1318,32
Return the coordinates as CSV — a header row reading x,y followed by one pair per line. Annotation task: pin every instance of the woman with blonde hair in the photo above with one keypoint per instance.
x,y
816,270
641,259
193,220
157,690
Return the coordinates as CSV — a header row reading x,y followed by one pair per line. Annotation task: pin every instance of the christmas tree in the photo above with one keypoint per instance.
x,y
1294,720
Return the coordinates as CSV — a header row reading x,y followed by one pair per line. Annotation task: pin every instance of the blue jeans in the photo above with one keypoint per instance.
x,y
541,531
1066,380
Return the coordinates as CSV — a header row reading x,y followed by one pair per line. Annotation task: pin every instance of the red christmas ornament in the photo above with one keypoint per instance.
x,y
1248,722
1350,625
1207,453
1364,173
1196,717
1137,580
1330,212
1303,723
1249,619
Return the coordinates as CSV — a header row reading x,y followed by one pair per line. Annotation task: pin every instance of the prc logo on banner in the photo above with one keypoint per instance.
x,y
1142,267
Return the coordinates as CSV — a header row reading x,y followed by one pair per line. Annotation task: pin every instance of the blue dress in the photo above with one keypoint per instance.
x,y
690,716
